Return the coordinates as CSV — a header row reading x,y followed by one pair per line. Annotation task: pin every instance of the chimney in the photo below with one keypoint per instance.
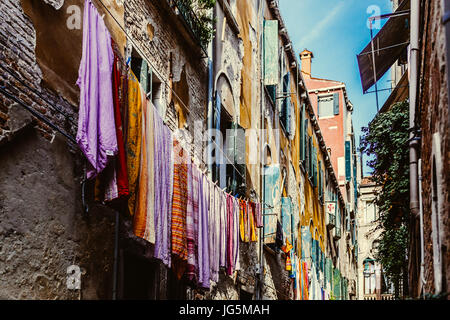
x,y
305,57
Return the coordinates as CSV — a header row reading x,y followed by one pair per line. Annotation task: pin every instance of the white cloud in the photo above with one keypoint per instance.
x,y
320,26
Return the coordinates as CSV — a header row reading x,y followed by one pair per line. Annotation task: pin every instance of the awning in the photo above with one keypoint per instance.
x,y
388,45
399,94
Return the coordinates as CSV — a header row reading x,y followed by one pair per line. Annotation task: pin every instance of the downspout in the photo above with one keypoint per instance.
x,y
422,258
211,72
414,141
262,159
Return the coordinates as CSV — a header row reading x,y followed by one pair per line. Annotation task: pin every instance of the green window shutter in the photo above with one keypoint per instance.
x,y
347,161
336,103
302,134
272,89
284,114
271,52
315,167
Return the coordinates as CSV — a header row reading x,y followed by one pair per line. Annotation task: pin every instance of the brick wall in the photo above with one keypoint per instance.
x,y
42,230
433,112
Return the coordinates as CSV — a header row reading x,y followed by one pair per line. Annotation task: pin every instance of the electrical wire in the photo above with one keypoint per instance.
x,y
53,107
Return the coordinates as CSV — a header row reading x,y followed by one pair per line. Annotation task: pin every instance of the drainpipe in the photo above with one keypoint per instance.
x,y
414,142
422,258
211,72
260,291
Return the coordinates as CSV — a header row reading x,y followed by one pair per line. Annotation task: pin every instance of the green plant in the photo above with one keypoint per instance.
x,y
205,23
386,139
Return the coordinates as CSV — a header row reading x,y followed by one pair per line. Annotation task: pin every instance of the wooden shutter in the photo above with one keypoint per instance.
x,y
314,166
302,133
347,161
336,103
271,52
284,114
272,89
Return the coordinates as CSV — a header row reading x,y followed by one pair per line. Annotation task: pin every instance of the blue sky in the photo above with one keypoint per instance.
x,y
336,31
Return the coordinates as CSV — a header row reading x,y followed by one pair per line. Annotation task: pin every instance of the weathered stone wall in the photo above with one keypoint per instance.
x,y
42,228
433,117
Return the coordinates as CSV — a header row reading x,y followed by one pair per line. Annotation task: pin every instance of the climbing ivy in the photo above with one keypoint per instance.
x,y
386,139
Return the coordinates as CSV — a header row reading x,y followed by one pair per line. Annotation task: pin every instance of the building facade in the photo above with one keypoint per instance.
x,y
55,227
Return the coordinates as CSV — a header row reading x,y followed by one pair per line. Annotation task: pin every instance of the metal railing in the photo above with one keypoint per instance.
x,y
192,22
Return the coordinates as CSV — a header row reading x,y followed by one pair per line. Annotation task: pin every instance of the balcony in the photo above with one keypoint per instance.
x,y
196,27
331,221
330,216
337,233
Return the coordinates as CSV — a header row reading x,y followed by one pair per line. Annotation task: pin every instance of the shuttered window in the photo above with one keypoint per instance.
x,y
336,103
348,161
325,106
320,186
314,166
285,116
302,134
271,55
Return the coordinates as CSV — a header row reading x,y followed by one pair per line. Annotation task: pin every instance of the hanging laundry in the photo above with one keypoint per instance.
x,y
252,223
192,220
179,209
244,225
134,138
163,161
144,223
121,164
236,212
203,234
230,234
214,231
223,228
96,134
258,215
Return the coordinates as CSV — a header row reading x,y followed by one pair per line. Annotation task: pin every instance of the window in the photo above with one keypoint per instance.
x,y
369,276
328,105
371,211
325,107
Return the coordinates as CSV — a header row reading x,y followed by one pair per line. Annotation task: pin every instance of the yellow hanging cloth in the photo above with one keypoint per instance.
x,y
134,137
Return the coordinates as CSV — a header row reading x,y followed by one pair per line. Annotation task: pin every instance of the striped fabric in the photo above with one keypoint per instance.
x,y
179,204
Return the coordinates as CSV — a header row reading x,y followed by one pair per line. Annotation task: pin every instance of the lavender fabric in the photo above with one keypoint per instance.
x,y
203,233
96,133
223,227
236,263
163,163
230,234
214,231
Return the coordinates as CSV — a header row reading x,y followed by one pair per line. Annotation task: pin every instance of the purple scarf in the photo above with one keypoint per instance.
x,y
163,164
96,133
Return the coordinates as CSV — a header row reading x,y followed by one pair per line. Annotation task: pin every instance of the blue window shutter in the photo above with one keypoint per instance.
x,y
336,103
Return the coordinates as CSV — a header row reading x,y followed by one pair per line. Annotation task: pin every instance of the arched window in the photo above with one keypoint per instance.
x,y
369,276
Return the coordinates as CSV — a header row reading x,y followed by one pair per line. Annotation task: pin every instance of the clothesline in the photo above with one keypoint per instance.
x,y
166,83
